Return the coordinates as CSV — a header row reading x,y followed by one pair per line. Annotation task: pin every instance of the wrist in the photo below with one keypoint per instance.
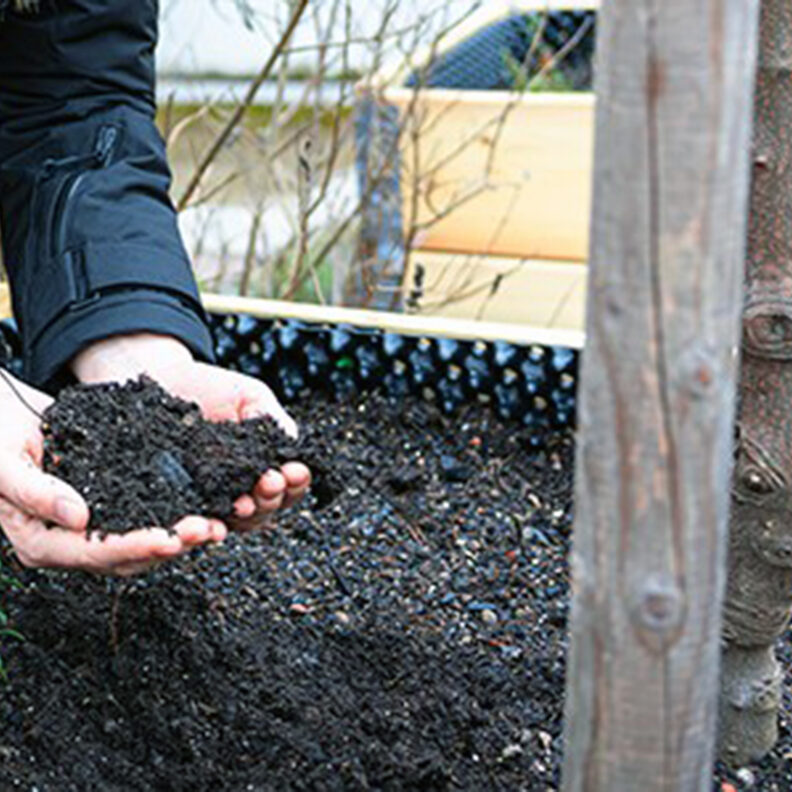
x,y
126,357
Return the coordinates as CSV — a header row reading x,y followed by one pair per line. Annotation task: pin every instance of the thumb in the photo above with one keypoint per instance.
x,y
41,495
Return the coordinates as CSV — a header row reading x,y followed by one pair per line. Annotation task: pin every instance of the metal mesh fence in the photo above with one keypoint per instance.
x,y
501,55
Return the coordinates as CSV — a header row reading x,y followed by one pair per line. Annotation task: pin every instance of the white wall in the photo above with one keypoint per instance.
x,y
208,35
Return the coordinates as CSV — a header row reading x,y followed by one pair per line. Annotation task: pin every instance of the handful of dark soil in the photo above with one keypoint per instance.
x,y
142,458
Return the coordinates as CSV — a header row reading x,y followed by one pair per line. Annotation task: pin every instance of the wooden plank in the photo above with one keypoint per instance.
x,y
524,291
393,322
495,173
494,100
657,393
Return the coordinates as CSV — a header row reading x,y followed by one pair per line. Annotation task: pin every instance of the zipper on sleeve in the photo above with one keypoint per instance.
x,y
63,202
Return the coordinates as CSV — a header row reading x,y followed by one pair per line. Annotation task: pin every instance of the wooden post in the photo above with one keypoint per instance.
x,y
675,80
759,592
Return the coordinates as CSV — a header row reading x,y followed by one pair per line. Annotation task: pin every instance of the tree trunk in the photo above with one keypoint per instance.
x,y
759,593
675,85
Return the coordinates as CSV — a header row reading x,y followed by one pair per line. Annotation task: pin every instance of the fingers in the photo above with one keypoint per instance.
x,y
116,554
245,507
276,489
194,531
144,558
146,549
297,475
281,488
270,488
219,531
252,512
41,495
298,482
142,546
42,547
270,492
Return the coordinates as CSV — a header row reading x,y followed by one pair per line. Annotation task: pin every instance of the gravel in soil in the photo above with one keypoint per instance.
x,y
410,636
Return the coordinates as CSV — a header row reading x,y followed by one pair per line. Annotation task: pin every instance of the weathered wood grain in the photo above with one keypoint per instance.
x,y
675,80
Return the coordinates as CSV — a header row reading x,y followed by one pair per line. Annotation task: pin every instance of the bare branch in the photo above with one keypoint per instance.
x,y
243,107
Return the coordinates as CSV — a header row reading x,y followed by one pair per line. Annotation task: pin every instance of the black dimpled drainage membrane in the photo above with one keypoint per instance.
x,y
534,385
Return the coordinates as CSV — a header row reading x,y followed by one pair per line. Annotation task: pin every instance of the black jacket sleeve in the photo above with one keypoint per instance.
x,y
90,239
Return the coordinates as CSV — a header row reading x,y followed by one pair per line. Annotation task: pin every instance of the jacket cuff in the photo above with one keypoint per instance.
x,y
121,313
103,289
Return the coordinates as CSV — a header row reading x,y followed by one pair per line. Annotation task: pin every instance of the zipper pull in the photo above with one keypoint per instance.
x,y
105,143
48,168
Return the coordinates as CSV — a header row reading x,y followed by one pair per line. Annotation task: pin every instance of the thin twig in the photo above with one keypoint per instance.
x,y
243,106
250,253
216,190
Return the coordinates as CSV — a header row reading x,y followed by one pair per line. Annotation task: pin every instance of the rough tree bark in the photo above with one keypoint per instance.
x,y
759,593
675,83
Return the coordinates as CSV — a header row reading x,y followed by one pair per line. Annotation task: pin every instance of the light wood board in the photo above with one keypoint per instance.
x,y
549,294
496,173
397,323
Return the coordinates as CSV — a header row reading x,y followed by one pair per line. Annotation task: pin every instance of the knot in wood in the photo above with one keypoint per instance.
x,y
612,300
767,327
659,611
700,371
655,80
658,608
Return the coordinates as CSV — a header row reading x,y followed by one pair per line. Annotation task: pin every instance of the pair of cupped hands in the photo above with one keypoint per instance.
x,y
46,520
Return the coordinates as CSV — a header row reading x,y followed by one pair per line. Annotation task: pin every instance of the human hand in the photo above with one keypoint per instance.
x,y
46,520
222,396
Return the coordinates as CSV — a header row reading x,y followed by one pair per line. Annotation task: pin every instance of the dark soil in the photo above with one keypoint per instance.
x,y
142,458
409,637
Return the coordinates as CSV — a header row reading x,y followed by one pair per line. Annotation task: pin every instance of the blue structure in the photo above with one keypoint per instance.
x,y
491,59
